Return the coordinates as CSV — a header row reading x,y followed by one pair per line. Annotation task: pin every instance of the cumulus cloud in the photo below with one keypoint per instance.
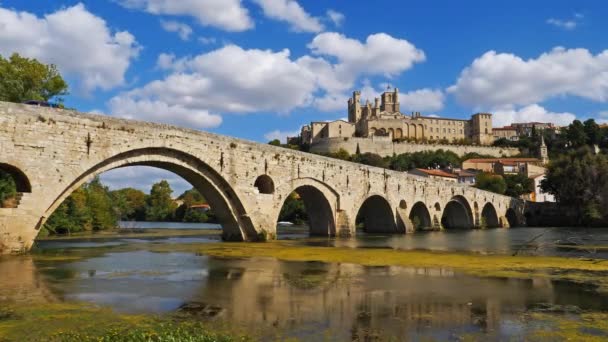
x,y
530,113
422,100
229,15
499,79
290,12
236,80
78,42
183,31
380,54
281,135
335,17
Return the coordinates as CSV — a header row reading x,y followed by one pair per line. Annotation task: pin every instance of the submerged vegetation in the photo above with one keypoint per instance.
x,y
589,271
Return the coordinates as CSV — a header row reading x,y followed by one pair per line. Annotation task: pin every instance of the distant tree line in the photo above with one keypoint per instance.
x,y
94,207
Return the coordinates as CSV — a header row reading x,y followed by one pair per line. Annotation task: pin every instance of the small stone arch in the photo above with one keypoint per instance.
x,y
511,217
398,133
420,216
403,204
457,214
489,218
437,206
319,209
376,215
21,180
264,184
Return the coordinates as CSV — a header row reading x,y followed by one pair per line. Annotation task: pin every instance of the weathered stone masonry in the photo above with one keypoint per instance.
x,y
51,152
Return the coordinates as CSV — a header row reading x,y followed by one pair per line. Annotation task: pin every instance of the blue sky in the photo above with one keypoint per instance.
x,y
259,69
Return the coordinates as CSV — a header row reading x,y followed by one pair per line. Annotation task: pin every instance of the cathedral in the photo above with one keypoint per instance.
x,y
385,119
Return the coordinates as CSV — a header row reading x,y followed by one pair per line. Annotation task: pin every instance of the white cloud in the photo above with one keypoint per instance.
x,y
78,42
530,113
235,80
281,135
567,24
207,40
564,24
336,17
229,15
380,54
183,31
291,12
499,79
422,100
130,107
142,178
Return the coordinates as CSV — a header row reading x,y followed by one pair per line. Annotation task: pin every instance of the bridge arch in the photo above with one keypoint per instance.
x,y
489,217
420,216
232,215
457,214
320,201
376,215
511,217
22,182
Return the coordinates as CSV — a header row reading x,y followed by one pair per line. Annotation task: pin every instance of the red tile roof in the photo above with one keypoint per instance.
x,y
438,173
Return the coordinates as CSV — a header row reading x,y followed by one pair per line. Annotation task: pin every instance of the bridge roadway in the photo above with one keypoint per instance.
x,y
52,152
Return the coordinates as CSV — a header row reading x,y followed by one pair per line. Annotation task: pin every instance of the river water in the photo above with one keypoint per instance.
x,y
311,301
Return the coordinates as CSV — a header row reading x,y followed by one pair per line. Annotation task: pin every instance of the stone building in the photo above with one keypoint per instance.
x,y
384,118
507,132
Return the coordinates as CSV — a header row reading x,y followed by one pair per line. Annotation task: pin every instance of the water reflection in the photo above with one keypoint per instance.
x,y
303,299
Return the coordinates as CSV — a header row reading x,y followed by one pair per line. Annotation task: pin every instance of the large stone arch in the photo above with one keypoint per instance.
x,y
22,182
489,217
320,200
420,216
235,222
457,214
377,215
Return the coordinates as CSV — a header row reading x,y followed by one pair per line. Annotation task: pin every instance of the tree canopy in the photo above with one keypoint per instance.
x,y
23,79
579,180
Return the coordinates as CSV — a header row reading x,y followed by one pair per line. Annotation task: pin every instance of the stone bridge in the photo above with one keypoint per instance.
x,y
52,152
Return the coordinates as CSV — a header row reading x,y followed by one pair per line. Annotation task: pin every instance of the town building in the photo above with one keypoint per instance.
x,y
507,132
526,128
500,165
435,174
385,119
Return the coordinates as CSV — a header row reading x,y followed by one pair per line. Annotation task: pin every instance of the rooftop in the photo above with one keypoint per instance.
x,y
502,160
438,173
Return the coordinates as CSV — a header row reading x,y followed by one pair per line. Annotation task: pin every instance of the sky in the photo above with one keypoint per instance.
x,y
260,69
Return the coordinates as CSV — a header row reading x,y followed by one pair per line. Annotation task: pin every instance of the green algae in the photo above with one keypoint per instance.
x,y
587,271
85,322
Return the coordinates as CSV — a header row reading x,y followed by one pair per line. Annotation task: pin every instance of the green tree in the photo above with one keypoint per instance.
x,y
99,203
425,159
8,188
129,204
23,79
293,210
275,142
341,154
576,135
371,159
160,206
593,132
490,182
518,185
579,181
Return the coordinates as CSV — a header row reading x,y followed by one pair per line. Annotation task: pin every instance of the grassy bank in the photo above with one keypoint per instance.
x,y
588,271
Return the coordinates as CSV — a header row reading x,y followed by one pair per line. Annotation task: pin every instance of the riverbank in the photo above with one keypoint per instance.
x,y
134,233
587,271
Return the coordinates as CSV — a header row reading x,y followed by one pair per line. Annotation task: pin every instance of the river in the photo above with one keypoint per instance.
x,y
311,301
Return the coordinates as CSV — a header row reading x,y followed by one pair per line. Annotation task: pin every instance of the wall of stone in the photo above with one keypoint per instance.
x,y
59,150
385,147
